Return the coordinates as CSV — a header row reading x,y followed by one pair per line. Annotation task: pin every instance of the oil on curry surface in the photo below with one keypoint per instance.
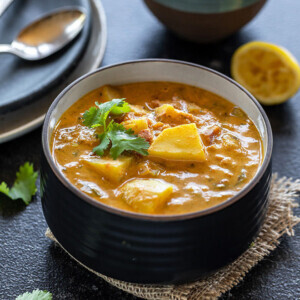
x,y
203,149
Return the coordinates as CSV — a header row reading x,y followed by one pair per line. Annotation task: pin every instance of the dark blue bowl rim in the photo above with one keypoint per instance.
x,y
155,217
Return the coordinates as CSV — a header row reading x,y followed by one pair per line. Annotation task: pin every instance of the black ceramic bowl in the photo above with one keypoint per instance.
x,y
153,248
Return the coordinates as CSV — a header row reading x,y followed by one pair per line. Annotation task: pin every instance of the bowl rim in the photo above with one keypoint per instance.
x,y
156,217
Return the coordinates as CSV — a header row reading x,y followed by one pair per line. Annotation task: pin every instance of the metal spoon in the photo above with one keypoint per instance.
x,y
47,35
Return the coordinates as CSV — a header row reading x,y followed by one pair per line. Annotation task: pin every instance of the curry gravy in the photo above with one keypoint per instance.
x,y
232,145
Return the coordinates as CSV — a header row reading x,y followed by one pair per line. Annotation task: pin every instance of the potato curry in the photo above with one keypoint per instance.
x,y
162,147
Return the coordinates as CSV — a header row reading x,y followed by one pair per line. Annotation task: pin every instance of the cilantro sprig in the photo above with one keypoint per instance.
x,y
114,135
24,186
120,140
35,295
97,116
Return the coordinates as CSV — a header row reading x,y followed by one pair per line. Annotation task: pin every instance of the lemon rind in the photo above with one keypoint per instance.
x,y
287,58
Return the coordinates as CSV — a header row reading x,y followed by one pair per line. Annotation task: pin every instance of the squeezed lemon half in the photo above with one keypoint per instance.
x,y
269,72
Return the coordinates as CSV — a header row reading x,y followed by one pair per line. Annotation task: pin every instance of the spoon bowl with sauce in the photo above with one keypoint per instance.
x,y
47,35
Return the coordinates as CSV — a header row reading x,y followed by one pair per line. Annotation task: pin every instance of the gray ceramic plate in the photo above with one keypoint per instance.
x,y
25,119
22,82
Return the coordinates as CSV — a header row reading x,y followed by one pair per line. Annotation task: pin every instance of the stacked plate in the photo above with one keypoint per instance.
x,y
28,88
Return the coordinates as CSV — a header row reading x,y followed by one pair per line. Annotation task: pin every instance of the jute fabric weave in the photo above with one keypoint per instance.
x,y
279,220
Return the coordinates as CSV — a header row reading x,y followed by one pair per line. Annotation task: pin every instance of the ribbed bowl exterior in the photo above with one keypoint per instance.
x,y
150,251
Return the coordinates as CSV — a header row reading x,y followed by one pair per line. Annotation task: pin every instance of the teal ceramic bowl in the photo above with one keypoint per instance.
x,y
205,21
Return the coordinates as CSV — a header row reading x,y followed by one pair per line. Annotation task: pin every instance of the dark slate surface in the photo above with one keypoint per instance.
x,y
29,261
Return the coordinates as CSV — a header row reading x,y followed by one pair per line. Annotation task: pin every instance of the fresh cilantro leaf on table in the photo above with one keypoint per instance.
x,y
4,188
24,186
115,135
121,140
96,116
35,295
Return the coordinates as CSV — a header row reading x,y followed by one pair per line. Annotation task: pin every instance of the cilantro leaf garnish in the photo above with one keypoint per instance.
x,y
96,116
115,135
35,295
91,116
24,186
104,143
121,140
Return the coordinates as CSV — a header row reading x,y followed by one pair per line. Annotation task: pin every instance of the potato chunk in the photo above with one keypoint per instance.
x,y
109,93
136,125
178,143
146,195
193,108
230,141
138,110
165,109
168,114
112,170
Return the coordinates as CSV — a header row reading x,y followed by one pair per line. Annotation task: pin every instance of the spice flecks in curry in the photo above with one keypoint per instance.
x,y
217,156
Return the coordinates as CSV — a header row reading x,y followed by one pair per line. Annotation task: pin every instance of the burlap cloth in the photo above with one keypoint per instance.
x,y
279,220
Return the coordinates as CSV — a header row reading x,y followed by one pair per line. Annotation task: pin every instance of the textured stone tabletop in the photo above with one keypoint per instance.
x,y
28,260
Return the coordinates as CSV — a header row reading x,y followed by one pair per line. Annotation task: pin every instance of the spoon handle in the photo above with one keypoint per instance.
x,y
4,5
6,48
